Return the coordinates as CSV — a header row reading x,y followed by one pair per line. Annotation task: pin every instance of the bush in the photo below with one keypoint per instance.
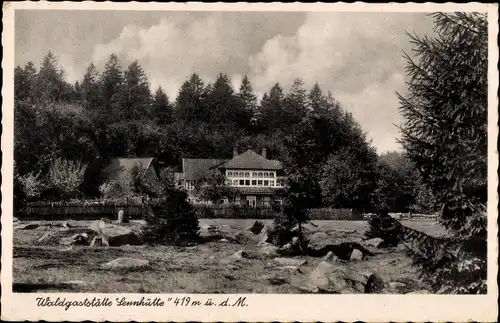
x,y
171,221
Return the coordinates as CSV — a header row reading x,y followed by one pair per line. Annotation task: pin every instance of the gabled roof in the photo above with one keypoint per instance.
x,y
251,160
195,168
119,166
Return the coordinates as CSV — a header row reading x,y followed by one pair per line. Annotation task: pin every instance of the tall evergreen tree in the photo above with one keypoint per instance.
x,y
161,109
191,101
90,87
112,89
137,94
49,84
445,136
271,109
296,104
248,100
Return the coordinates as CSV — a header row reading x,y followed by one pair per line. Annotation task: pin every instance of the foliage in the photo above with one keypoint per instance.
x,y
172,221
445,129
117,188
216,189
31,185
65,177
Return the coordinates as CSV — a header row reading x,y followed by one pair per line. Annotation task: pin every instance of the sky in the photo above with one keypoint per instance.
x,y
357,56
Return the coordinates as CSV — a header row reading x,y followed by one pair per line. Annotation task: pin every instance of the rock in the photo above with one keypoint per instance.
x,y
356,255
289,262
76,283
265,235
423,291
209,233
374,285
256,227
375,242
292,269
223,240
292,248
329,256
268,251
116,235
319,276
27,226
277,280
396,286
319,239
45,238
241,237
126,263
239,255
79,239
98,241
14,219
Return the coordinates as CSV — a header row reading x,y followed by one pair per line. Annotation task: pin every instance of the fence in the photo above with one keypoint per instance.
x,y
82,210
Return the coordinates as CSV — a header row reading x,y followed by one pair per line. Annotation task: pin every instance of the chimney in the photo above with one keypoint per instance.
x,y
235,151
264,152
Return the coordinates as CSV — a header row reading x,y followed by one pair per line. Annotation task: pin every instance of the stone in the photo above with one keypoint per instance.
x,y
45,238
396,286
265,235
126,263
120,217
79,239
375,242
223,240
14,219
291,269
209,233
319,276
277,280
256,227
423,291
289,262
76,283
268,251
27,226
356,255
319,239
115,235
98,241
292,248
374,285
329,256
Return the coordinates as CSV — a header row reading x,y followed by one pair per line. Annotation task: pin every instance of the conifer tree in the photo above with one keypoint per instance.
x,y
445,136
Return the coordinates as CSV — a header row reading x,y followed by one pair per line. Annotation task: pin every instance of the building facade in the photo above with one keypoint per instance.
x,y
256,180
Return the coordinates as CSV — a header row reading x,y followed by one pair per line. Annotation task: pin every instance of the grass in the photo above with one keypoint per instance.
x,y
203,268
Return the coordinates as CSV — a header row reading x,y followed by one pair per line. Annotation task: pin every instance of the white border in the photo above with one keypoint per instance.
x,y
261,307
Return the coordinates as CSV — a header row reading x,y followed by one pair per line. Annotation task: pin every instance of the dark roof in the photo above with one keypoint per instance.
x,y
251,160
120,165
258,190
195,169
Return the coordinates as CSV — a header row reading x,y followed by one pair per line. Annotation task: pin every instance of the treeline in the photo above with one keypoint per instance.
x,y
65,133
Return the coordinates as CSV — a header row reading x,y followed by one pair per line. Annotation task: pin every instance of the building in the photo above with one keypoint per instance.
x,y
256,179
122,169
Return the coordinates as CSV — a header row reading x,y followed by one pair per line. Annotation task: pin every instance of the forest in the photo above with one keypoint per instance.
x,y
65,133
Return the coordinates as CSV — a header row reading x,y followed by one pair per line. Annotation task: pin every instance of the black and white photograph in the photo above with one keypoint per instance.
x,y
191,152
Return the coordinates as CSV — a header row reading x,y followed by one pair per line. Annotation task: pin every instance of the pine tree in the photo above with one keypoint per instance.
x,y
137,94
49,85
248,100
271,109
112,89
191,101
296,105
90,87
317,100
445,136
161,110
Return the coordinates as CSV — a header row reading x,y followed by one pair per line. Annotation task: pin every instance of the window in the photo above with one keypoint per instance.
x,y
254,182
254,174
190,185
271,183
260,174
266,200
266,183
229,173
241,174
259,182
247,174
247,182
252,201
242,182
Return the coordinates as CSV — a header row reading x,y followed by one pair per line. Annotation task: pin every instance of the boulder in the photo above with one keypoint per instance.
x,y
26,226
374,285
79,239
329,256
45,238
14,219
277,280
256,227
375,242
319,239
268,251
356,255
289,262
116,235
209,233
318,278
292,248
126,263
266,235
98,241
240,237
423,291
